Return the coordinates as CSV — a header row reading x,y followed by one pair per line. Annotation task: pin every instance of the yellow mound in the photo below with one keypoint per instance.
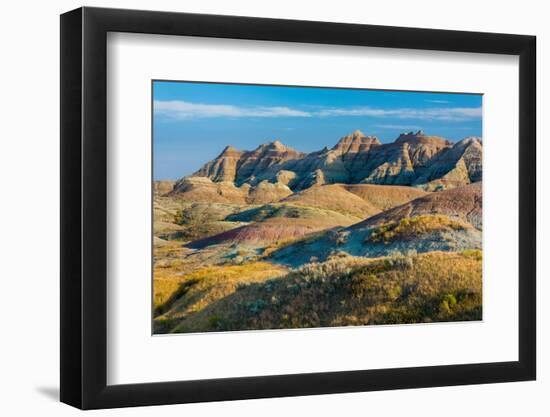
x,y
333,197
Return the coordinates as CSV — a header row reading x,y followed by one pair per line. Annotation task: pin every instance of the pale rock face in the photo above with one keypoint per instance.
x,y
266,192
473,155
203,189
397,163
393,166
355,143
223,168
428,162
456,166
456,177
285,177
256,162
163,187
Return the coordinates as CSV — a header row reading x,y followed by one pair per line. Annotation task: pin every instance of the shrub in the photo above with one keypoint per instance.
x,y
448,301
338,254
256,306
238,260
473,253
215,322
342,237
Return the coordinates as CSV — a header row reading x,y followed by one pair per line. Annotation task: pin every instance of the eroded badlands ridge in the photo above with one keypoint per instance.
x,y
274,171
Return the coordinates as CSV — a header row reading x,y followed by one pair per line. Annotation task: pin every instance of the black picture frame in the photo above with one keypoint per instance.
x,y
84,207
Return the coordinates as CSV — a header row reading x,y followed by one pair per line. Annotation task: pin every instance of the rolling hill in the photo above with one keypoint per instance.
x,y
445,221
275,223
429,287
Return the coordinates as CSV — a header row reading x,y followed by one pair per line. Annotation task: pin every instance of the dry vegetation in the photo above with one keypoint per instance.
x,y
412,227
437,286
225,264
181,298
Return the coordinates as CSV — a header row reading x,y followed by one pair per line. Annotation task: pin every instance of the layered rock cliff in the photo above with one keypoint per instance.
x,y
428,162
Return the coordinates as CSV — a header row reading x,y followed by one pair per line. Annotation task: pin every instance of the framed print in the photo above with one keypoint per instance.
x,y
257,207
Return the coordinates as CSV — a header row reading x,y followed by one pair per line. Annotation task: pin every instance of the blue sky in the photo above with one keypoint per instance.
x,y
193,122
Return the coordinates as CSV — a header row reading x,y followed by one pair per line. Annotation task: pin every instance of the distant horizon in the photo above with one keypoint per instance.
x,y
194,122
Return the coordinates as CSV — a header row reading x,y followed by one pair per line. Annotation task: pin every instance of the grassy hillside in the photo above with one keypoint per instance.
x,y
184,295
420,234
413,227
184,221
431,287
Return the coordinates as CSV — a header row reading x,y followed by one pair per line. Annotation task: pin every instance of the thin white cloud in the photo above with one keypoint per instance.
x,y
438,101
401,127
447,114
187,110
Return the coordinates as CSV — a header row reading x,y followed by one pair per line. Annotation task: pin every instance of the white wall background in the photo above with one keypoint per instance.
x,y
29,175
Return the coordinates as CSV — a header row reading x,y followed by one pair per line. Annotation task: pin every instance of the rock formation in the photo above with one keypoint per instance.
x,y
223,168
455,166
163,187
428,162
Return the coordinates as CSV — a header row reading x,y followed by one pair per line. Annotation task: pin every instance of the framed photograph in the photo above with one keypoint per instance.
x,y
258,207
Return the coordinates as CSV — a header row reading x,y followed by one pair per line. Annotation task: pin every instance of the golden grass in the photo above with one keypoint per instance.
x,y
163,289
476,254
434,286
413,226
178,296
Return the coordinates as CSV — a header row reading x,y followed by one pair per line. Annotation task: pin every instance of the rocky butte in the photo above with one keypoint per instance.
x,y
431,163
